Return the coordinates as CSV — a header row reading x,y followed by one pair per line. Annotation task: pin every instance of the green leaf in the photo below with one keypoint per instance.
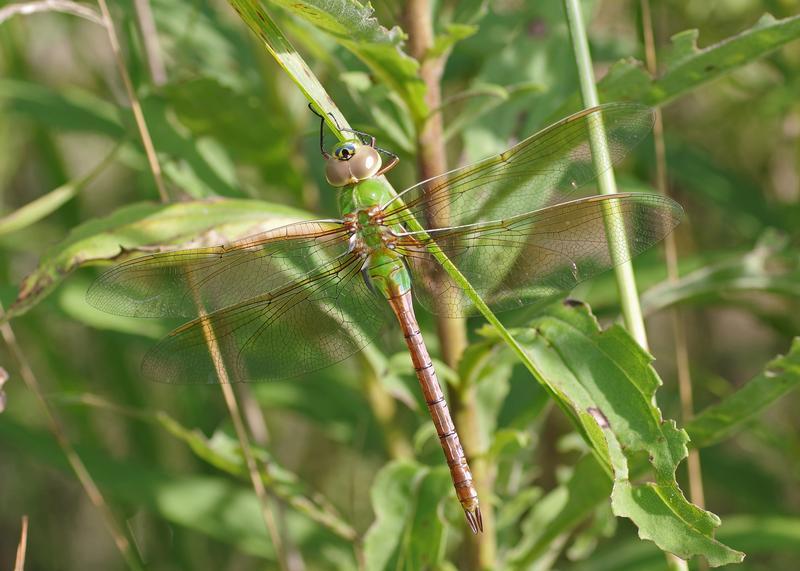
x,y
241,122
196,39
560,511
490,371
224,452
149,227
257,19
355,27
687,67
772,266
453,34
52,201
408,532
765,536
719,421
193,165
199,167
69,109
325,399
607,380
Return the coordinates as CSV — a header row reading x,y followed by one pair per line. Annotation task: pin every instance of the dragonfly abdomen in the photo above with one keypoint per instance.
x,y
402,305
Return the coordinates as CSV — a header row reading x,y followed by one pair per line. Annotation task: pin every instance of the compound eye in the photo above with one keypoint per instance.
x,y
366,163
345,151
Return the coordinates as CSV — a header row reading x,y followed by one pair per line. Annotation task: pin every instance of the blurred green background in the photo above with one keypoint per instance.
x,y
226,121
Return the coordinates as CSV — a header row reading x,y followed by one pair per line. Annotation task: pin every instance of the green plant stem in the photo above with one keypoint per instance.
x,y
78,467
626,281
241,433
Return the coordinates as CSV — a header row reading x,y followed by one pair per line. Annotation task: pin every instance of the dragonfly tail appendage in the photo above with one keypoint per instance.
x,y
474,519
440,414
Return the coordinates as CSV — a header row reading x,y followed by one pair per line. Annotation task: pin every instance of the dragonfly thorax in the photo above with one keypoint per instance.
x,y
368,233
361,206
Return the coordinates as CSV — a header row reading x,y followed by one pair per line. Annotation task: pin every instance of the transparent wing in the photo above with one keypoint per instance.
x,y
299,328
516,261
173,283
540,171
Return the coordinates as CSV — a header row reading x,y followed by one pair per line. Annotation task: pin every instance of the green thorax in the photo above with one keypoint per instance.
x,y
385,267
363,195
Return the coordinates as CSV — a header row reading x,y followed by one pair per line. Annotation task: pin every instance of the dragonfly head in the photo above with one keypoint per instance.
x,y
351,162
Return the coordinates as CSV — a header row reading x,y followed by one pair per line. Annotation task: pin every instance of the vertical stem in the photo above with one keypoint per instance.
x,y
22,547
213,347
671,254
147,29
136,107
75,462
432,160
452,332
626,282
241,434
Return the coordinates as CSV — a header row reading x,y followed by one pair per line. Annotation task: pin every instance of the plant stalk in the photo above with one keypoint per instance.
x,y
22,546
149,34
136,107
626,281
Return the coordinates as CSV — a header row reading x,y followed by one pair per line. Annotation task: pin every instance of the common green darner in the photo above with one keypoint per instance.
x,y
303,296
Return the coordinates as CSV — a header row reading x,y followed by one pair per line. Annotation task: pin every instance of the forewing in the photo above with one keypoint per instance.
x,y
544,169
296,329
517,261
177,283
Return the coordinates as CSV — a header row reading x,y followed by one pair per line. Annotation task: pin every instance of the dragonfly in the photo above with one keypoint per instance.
x,y
292,300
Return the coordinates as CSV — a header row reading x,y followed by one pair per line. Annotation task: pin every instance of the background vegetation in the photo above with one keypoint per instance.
x,y
348,457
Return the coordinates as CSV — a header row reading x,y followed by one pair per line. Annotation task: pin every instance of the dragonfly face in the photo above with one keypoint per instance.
x,y
350,163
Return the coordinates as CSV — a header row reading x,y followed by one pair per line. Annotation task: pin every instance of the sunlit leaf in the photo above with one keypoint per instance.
x,y
355,27
257,19
607,380
148,227
688,67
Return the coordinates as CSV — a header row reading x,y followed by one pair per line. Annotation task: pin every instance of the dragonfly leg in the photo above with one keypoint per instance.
x,y
367,140
325,154
390,164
